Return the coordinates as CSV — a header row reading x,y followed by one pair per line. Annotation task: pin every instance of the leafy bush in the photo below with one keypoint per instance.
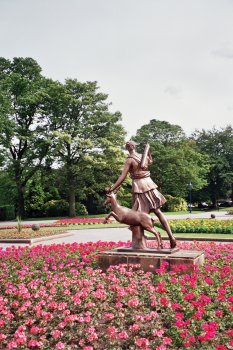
x,y
35,199
56,208
200,226
7,212
125,200
81,209
174,204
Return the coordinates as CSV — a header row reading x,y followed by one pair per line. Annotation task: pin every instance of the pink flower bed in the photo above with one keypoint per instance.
x,y
62,222
55,297
9,227
75,221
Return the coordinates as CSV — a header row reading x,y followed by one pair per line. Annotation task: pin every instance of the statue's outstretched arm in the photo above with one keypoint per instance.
x,y
122,176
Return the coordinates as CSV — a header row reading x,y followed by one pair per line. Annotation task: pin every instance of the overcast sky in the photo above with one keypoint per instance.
x,y
156,59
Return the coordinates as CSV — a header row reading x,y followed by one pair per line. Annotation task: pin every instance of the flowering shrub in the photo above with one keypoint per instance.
x,y
28,234
80,221
62,222
25,226
200,225
55,297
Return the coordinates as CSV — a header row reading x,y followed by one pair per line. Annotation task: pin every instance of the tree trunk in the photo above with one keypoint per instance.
x,y
71,191
20,201
72,211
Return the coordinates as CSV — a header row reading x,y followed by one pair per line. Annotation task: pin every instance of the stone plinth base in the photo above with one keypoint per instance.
x,y
148,250
150,261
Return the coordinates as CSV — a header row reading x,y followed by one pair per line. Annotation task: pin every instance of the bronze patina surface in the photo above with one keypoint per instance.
x,y
146,198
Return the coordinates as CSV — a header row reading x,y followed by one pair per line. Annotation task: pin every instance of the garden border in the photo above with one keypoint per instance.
x,y
35,240
196,239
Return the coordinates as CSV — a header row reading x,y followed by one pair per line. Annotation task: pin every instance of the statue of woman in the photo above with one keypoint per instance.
x,y
146,197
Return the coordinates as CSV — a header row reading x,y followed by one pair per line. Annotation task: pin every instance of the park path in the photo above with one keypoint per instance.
x,y
85,235
101,234
221,215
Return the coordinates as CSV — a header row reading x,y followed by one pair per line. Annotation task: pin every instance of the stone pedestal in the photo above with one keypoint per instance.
x,y
138,237
151,259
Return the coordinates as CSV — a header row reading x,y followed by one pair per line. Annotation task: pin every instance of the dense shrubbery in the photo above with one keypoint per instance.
x,y
56,208
54,297
126,200
7,212
200,226
174,204
81,209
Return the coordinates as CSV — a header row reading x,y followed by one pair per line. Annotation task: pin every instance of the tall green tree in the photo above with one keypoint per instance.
x,y
176,159
23,130
218,145
84,130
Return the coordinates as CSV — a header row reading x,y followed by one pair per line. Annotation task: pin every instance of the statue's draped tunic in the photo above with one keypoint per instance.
x,y
146,197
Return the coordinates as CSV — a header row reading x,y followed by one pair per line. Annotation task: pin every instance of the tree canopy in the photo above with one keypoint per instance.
x,y
218,145
60,143
46,122
176,159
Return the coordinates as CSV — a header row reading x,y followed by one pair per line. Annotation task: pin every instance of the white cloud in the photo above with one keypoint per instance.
x,y
173,91
225,52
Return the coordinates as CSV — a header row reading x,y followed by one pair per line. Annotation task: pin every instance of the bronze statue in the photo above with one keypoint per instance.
x,y
131,217
146,197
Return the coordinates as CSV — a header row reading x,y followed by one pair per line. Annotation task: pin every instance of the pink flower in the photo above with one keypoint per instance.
x,y
2,336
12,345
134,327
112,332
108,315
133,302
34,343
60,345
142,342
189,296
164,301
158,333
56,334
167,341
160,347
123,335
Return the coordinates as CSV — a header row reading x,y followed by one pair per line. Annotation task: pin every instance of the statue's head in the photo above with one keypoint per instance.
x,y
130,145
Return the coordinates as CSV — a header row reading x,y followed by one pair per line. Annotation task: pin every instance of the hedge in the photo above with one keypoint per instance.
x,y
7,212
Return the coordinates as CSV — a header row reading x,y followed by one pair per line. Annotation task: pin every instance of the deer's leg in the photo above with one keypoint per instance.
x,y
111,214
157,235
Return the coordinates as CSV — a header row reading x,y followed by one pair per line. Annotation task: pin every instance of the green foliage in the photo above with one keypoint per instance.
x,y
7,189
218,145
56,208
35,199
160,132
24,131
81,209
84,131
176,159
174,204
200,226
125,199
7,212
